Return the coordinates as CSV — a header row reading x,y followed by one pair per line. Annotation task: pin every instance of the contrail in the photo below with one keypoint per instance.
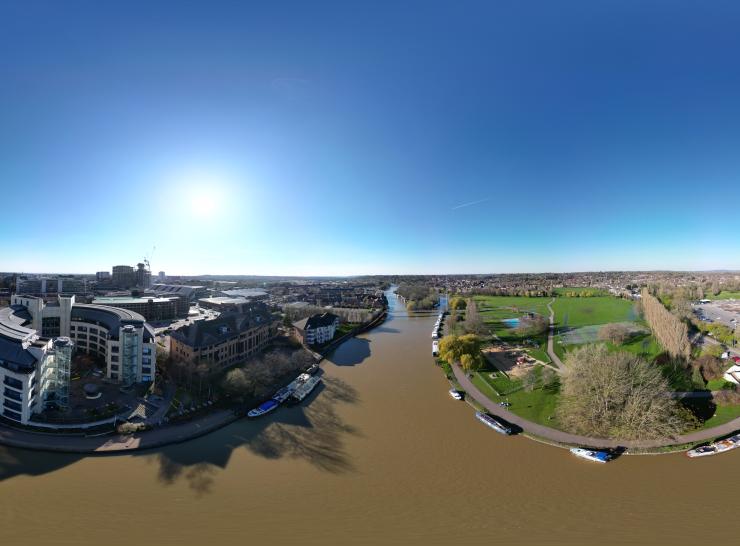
x,y
470,204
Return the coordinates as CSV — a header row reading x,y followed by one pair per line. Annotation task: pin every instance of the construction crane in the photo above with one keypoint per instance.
x,y
148,257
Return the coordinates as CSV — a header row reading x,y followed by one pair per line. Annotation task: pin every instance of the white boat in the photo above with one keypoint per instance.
x,y
492,422
456,394
305,389
591,454
715,447
435,348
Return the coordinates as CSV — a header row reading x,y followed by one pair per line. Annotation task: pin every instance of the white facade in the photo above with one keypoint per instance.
x,y
36,343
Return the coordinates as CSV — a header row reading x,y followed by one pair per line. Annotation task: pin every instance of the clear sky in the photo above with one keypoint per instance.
x,y
331,138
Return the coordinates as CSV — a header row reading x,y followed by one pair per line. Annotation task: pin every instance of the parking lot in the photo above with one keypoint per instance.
x,y
725,312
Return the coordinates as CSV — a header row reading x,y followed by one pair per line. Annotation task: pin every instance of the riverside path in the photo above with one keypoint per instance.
x,y
562,437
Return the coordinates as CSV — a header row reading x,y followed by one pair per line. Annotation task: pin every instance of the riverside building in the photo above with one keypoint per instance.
x,y
37,342
225,341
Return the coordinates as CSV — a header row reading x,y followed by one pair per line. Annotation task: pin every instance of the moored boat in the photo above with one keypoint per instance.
x,y
591,454
715,447
456,394
494,423
263,408
305,389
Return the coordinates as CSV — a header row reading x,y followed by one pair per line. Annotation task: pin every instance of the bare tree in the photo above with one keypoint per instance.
x,y
616,333
618,395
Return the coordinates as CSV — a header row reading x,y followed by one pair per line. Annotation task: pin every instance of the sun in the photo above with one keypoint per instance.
x,y
204,203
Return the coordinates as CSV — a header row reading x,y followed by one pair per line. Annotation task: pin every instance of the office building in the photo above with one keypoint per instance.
x,y
38,338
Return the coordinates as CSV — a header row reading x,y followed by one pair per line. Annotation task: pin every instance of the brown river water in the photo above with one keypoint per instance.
x,y
380,455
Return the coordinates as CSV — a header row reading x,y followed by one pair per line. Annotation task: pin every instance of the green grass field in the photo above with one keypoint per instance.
x,y
722,415
725,295
575,312
537,405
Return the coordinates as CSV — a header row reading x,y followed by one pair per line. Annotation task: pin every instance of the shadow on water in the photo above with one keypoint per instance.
x,y
350,353
14,462
386,330
313,432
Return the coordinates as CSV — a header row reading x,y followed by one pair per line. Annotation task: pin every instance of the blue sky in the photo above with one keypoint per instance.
x,y
330,138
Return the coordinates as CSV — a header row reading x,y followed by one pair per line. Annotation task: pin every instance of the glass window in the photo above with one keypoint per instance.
x,y
12,415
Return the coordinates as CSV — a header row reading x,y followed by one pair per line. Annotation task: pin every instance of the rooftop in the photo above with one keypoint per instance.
x,y
127,300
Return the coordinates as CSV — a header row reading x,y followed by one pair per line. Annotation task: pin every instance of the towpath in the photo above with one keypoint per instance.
x,y
561,437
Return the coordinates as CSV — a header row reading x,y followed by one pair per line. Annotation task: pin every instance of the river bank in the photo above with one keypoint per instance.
x,y
152,438
564,439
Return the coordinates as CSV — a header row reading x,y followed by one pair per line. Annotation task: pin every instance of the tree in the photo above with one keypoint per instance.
x,y
617,395
532,325
671,332
457,303
453,348
473,321
467,362
616,333
709,366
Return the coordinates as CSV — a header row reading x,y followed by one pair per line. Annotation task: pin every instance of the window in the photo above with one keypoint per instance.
x,y
146,370
146,351
146,361
114,376
15,395
114,367
12,415
114,358
12,382
114,349
13,405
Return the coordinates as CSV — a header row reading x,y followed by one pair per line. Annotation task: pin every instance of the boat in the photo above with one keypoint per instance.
x,y
305,389
263,408
591,454
283,394
435,348
715,447
456,394
312,369
494,423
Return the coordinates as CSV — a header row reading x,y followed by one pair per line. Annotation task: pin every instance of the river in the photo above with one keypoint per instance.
x,y
381,454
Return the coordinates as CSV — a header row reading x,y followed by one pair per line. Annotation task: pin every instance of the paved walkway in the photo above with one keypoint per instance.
x,y
561,437
170,434
551,337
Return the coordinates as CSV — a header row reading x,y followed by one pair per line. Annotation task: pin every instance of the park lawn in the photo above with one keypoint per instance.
x,y
718,384
537,406
576,312
644,345
725,295
494,309
722,415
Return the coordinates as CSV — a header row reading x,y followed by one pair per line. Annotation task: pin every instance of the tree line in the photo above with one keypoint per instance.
x,y
418,296
670,330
